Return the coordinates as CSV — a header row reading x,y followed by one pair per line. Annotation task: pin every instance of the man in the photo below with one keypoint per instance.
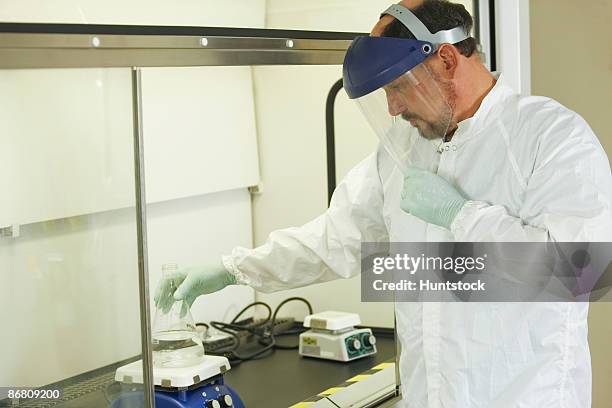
x,y
488,165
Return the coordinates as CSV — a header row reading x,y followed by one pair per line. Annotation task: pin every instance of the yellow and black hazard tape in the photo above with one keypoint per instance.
x,y
353,380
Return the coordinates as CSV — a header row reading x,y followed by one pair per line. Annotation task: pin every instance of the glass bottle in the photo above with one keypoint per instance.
x,y
176,343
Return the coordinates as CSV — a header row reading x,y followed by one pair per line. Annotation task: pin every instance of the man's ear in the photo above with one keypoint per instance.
x,y
449,58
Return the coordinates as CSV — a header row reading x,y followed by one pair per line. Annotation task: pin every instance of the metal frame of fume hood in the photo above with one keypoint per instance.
x,y
104,46
30,46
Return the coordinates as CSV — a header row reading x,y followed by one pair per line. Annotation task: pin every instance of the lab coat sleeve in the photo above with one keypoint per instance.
x,y
567,196
324,249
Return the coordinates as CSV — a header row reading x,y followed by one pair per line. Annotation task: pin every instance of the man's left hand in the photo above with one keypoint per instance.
x,y
431,198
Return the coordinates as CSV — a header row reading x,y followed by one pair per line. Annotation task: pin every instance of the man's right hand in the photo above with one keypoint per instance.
x,y
188,284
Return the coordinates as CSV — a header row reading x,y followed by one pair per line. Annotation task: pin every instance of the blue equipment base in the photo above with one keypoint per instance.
x,y
209,394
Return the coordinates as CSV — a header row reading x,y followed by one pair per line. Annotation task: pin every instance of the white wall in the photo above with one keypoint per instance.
x,y
72,274
47,133
357,16
326,15
236,13
199,121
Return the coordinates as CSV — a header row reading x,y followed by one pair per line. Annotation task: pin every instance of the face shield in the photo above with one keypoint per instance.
x,y
398,94
411,106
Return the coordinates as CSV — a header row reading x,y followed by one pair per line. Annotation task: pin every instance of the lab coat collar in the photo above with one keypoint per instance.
x,y
490,108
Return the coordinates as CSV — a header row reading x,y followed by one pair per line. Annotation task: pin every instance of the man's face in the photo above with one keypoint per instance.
x,y
424,100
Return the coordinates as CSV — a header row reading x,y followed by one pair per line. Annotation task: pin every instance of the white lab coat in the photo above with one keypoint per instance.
x,y
535,171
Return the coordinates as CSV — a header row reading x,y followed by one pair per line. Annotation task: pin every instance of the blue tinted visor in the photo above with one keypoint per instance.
x,y
373,62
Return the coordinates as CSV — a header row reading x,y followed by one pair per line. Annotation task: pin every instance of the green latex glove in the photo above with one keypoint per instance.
x,y
431,198
188,284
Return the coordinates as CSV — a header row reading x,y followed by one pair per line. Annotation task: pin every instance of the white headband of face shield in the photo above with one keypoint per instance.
x,y
416,27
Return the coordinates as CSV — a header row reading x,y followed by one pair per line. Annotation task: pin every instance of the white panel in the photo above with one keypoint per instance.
x,y
71,286
70,152
291,135
237,13
70,299
512,43
199,125
66,142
